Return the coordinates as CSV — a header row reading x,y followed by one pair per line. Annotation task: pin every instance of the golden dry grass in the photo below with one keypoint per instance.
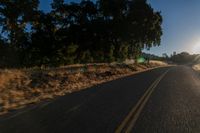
x,y
20,87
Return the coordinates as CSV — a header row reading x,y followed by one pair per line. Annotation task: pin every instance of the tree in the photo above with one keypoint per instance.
x,y
14,16
43,47
88,31
183,58
143,24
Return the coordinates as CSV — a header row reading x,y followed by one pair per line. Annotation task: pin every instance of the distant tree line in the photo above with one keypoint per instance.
x,y
185,58
100,31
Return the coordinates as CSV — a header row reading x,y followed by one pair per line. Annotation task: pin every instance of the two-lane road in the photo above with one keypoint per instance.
x,y
163,100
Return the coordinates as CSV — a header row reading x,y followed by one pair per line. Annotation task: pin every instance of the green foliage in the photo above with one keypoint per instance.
x,y
70,54
111,57
99,56
101,31
122,53
85,57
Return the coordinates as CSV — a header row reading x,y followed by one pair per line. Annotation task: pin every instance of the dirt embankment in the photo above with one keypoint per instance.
x,y
20,87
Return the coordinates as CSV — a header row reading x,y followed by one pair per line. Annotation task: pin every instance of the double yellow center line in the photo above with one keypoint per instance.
x,y
128,123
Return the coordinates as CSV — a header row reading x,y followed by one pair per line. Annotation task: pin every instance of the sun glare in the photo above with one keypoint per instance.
x,y
196,48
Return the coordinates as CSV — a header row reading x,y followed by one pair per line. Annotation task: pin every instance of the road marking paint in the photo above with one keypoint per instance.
x,y
129,121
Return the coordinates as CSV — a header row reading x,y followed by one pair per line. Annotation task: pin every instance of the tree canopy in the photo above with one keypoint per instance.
x,y
101,31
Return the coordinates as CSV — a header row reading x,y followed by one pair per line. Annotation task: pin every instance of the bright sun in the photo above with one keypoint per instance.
x,y
196,48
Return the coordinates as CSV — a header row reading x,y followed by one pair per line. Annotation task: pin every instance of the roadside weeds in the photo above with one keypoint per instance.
x,y
21,87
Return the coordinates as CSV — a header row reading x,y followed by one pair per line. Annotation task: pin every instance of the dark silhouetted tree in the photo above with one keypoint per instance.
x,y
100,31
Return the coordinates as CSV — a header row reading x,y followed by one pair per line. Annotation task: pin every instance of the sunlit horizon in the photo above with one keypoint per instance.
x,y
181,26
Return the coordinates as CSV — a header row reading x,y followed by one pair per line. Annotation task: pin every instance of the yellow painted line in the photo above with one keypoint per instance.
x,y
139,110
129,121
124,123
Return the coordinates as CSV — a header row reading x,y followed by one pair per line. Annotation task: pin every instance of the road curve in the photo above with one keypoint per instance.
x,y
163,100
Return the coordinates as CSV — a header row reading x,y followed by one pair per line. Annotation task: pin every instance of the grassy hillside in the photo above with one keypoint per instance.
x,y
21,87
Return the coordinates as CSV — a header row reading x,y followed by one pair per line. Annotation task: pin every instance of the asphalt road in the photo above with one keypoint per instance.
x,y
163,100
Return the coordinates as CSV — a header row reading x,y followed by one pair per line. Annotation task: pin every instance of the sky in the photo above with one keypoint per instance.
x,y
181,25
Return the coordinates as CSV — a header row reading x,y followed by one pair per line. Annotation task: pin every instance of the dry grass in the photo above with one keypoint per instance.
x,y
157,63
196,67
19,88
